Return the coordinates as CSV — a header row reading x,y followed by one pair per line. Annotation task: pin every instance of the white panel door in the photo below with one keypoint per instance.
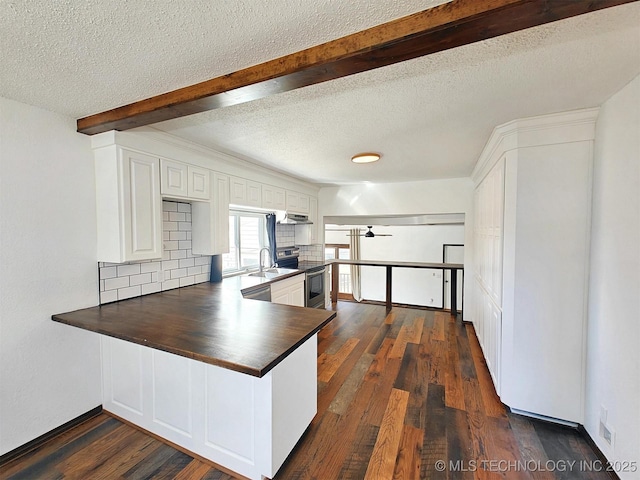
x,y
174,178
199,186
268,196
172,392
293,201
211,219
303,203
280,296
297,295
123,375
229,410
142,206
279,199
237,191
254,194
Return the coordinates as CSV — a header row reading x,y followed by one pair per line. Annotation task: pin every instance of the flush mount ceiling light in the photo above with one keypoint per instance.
x,y
365,158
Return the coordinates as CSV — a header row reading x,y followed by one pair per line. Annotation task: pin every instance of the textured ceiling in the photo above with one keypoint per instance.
x,y
80,57
429,117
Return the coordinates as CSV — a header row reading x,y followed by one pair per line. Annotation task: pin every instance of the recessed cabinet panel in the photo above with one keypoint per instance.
x,y
245,192
143,207
297,202
280,296
229,412
297,295
303,203
128,205
125,375
199,185
172,392
210,227
273,197
289,291
237,190
308,234
174,178
254,194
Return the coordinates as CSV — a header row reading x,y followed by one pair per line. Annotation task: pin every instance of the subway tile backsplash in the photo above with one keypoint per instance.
x,y
285,235
311,253
178,267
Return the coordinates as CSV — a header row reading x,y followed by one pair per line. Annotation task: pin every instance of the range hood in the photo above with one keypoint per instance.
x,y
294,219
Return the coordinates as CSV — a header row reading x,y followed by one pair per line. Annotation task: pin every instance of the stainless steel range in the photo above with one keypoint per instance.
x,y
287,257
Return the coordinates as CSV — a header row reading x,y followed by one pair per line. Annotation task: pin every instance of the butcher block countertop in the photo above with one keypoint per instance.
x,y
209,322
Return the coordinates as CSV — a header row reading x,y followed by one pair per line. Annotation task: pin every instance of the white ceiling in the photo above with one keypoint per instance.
x,y
429,117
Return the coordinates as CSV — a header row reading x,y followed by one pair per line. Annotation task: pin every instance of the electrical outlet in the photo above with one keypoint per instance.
x,y
606,431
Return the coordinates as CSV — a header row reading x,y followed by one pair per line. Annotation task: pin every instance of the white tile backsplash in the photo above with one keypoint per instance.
x,y
311,253
178,268
285,235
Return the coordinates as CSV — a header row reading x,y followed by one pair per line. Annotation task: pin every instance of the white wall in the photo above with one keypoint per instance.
x,y
613,352
424,197
49,373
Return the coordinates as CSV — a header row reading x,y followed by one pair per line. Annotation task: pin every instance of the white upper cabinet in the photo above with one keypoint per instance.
x,y
199,183
174,178
297,202
134,174
129,205
245,192
184,181
237,190
308,234
254,194
274,197
210,220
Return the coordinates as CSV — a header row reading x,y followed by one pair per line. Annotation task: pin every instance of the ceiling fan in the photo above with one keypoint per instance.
x,y
370,234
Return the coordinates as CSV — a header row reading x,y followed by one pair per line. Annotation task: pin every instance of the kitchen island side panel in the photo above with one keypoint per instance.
x,y
241,422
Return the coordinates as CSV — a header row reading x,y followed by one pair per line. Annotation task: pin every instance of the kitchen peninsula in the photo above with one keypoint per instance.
x,y
230,379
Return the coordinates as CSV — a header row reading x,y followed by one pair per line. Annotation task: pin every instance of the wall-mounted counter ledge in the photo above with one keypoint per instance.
x,y
453,267
209,322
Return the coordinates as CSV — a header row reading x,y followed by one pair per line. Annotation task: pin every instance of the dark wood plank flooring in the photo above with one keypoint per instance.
x,y
398,392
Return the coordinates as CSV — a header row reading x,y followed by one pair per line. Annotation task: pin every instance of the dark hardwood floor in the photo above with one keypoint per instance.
x,y
398,393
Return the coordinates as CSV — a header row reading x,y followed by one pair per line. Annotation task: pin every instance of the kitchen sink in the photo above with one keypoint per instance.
x,y
273,272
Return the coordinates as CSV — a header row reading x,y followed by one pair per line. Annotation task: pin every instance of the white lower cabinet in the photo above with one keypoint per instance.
x,y
129,205
244,423
289,291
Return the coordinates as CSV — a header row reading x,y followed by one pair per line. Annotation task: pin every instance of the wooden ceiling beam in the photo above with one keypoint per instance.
x,y
446,26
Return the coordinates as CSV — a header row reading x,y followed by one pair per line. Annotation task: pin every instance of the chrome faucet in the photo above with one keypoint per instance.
x,y
261,267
